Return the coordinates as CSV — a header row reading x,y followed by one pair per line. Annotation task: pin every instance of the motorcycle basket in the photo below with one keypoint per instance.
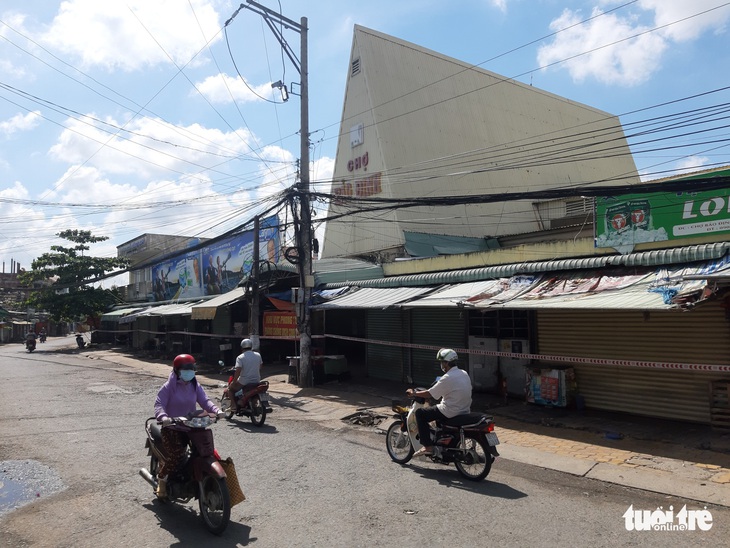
x,y
234,488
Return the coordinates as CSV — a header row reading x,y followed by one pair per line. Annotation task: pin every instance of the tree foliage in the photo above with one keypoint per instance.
x,y
61,279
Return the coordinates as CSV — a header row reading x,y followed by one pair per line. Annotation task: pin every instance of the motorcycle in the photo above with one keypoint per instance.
x,y
252,402
468,441
43,337
201,476
30,345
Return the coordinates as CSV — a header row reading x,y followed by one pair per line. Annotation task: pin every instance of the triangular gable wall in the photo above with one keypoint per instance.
x,y
417,123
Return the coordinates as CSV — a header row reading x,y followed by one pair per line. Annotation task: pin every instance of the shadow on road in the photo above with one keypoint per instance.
x,y
185,524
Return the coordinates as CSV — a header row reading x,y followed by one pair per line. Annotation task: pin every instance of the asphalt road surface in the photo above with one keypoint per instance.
x,y
72,442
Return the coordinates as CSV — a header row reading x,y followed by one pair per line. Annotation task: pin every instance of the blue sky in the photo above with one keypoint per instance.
x,y
130,116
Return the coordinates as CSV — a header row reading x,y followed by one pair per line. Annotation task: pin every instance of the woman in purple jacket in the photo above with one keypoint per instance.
x,y
178,398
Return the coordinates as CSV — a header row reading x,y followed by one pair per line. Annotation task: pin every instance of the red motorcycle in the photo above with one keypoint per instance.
x,y
201,476
253,401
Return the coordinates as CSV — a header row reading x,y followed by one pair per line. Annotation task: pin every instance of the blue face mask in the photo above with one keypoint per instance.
x,y
187,375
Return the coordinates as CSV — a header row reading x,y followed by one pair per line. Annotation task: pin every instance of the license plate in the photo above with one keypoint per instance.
x,y
492,439
264,396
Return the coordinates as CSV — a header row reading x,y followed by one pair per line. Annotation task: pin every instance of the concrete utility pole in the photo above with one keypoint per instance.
x,y
305,265
304,233
253,317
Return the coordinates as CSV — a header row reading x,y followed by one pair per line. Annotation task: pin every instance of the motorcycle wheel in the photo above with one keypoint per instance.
x,y
478,461
215,504
258,411
225,404
398,443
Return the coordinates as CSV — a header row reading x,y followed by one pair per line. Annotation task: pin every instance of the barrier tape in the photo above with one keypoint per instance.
x,y
548,357
474,351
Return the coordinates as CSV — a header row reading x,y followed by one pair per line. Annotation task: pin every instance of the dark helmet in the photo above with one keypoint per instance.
x,y
183,361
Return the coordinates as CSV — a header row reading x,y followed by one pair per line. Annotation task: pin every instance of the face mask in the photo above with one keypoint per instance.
x,y
187,375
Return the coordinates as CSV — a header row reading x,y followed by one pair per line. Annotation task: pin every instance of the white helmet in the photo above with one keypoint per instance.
x,y
246,344
446,355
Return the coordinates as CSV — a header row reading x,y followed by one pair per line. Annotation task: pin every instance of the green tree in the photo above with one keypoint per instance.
x,y
60,280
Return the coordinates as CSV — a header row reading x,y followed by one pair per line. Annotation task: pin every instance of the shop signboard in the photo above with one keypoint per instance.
x,y
280,324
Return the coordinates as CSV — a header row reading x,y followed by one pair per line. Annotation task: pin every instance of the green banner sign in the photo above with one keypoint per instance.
x,y
632,219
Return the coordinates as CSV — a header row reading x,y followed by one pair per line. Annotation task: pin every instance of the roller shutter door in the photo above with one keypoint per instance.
x,y
385,362
442,327
701,335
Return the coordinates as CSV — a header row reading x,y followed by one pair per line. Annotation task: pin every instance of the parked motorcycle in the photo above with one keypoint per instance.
x,y
30,345
468,441
252,402
201,476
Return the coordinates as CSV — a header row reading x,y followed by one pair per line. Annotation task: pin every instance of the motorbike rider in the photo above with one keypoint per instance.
x,y
247,373
454,389
177,398
30,339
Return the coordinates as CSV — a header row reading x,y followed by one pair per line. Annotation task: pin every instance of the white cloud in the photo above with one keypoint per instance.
x,y
692,163
133,34
626,62
149,148
223,89
616,49
501,5
20,122
674,11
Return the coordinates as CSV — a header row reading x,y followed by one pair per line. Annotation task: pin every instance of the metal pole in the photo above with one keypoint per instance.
x,y
305,265
253,317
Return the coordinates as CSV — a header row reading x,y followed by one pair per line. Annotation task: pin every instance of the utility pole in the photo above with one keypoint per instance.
x,y
253,316
305,265
304,233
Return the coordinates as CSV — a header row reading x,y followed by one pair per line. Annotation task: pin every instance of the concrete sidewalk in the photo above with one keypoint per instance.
x,y
691,462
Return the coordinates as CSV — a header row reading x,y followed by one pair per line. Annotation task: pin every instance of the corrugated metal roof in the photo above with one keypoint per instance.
x,y
114,315
453,295
634,297
207,310
180,309
374,298
660,257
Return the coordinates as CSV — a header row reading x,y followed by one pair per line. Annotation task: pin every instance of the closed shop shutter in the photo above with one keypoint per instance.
x,y
385,362
442,327
221,322
700,336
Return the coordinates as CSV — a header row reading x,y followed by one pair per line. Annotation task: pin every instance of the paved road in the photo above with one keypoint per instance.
x,y
311,478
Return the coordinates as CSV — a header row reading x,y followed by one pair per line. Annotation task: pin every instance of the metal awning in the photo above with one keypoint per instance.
x,y
370,297
115,315
637,294
207,310
455,294
660,289
176,309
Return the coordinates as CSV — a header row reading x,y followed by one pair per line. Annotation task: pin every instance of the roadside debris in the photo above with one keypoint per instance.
x,y
365,418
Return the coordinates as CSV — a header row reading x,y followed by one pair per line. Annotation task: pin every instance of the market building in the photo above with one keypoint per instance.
x,y
614,302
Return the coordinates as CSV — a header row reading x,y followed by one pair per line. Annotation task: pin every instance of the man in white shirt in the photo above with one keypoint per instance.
x,y
247,372
454,389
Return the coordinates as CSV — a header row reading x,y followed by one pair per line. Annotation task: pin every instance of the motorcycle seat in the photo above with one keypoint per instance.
x,y
466,420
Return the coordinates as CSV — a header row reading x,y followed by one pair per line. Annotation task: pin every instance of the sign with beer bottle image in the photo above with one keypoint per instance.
x,y
630,219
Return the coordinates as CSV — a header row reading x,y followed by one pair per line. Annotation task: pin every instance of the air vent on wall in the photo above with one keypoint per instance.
x,y
355,67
